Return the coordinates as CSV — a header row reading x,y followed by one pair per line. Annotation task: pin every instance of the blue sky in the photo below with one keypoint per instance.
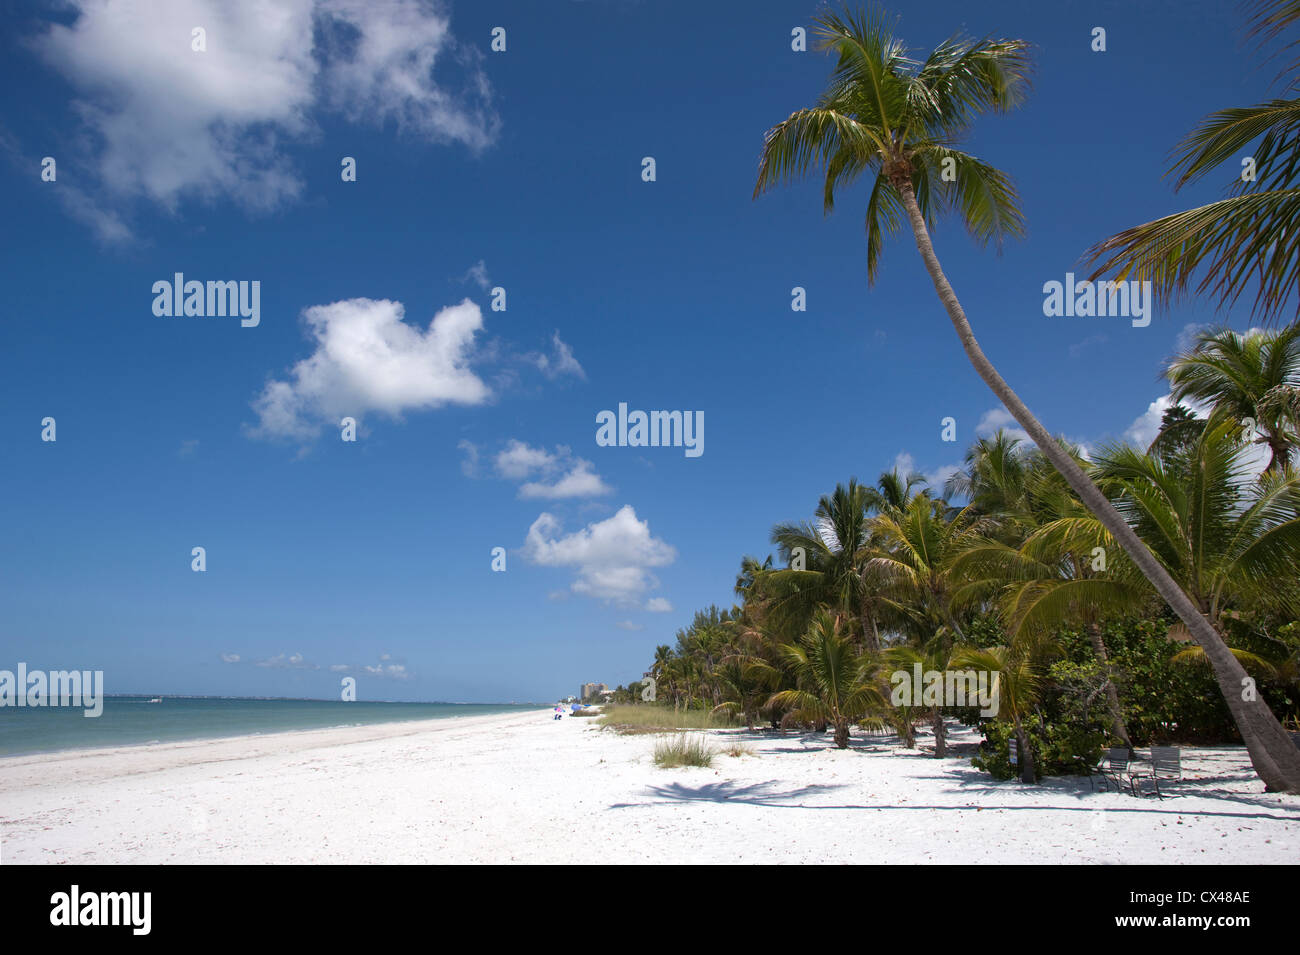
x,y
521,170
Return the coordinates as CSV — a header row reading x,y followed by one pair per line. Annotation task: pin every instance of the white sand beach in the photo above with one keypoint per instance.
x,y
526,788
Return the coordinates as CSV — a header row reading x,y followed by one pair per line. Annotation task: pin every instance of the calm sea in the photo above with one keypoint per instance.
x,y
130,720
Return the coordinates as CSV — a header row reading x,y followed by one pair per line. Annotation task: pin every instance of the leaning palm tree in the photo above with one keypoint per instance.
x,y
898,119
833,679
1245,376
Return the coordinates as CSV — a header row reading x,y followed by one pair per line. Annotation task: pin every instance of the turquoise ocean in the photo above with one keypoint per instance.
x,y
134,720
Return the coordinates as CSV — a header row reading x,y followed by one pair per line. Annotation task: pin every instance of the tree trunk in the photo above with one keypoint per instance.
x,y
940,736
1027,774
1275,757
842,733
1112,695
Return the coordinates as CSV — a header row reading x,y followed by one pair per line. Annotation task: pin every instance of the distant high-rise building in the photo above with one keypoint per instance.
x,y
588,690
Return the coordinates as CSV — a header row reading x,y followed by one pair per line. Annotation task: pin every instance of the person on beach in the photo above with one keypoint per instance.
x,y
559,712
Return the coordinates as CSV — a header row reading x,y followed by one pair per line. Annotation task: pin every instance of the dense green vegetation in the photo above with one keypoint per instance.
x,y
1004,570
1177,519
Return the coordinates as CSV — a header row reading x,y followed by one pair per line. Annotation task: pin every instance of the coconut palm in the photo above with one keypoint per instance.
x,y
833,679
1019,683
1245,376
898,120
1057,577
913,548
834,549
1232,544
1246,240
935,656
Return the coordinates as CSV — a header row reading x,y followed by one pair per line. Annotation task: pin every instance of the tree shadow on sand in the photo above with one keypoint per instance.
x,y
769,794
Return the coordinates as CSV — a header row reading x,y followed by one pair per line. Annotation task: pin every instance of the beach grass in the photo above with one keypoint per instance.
x,y
629,720
683,750
738,749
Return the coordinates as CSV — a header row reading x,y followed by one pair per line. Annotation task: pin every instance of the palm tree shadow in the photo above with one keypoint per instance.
x,y
971,780
727,791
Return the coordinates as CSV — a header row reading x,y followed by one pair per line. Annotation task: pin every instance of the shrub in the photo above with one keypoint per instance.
x,y
683,751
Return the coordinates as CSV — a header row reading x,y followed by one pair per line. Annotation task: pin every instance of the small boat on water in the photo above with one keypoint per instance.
x,y
156,699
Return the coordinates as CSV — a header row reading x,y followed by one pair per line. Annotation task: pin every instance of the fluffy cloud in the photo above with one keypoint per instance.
x,y
612,557
368,359
230,658
557,475
518,460
169,122
658,605
1144,430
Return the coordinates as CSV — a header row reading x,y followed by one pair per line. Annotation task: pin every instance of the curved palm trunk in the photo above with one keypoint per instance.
x,y
1274,756
1112,695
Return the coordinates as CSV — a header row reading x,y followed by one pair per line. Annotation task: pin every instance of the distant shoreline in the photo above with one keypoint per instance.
x,y
131,721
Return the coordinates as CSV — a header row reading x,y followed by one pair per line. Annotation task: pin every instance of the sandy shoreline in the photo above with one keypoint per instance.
x,y
523,787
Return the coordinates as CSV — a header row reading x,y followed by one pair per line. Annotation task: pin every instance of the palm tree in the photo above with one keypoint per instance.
x,y
835,549
1245,376
1246,239
936,655
1019,683
897,119
1231,543
833,683
1049,581
913,549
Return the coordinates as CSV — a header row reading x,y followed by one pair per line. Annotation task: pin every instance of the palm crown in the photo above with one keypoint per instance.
x,y
898,120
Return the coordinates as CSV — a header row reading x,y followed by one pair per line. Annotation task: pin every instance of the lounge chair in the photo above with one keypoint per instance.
x,y
1112,769
1166,764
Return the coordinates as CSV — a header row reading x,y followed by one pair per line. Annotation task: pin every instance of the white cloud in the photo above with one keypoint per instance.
x,y
612,557
996,419
478,274
658,605
1144,430
1186,340
389,671
905,464
560,362
469,463
290,661
168,122
368,359
519,460
559,474
230,658
580,481
629,625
